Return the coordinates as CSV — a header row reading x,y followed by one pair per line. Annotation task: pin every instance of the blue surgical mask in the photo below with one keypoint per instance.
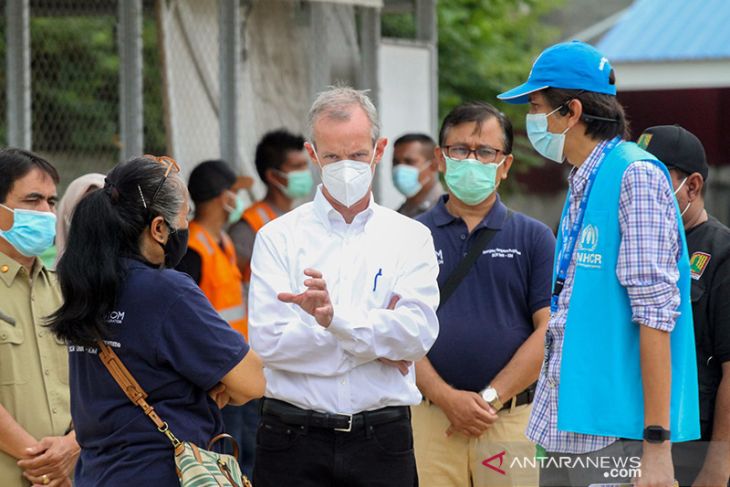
x,y
471,181
405,179
32,232
547,144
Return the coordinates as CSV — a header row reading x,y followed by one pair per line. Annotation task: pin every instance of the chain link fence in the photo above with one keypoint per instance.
x,y
85,100
190,47
75,84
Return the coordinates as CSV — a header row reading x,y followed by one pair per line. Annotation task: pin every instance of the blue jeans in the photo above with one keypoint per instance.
x,y
241,422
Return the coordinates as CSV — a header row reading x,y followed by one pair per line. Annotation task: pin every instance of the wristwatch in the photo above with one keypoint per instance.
x,y
656,434
490,395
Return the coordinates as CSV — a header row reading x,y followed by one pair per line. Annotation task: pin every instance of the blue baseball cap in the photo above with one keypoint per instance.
x,y
571,65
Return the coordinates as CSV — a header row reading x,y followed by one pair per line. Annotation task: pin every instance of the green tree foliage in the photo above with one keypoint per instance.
x,y
75,84
484,48
487,46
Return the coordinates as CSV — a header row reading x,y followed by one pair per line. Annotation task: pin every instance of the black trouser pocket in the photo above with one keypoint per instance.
x,y
275,436
394,438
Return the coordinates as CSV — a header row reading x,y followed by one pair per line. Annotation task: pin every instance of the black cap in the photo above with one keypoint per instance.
x,y
211,178
676,147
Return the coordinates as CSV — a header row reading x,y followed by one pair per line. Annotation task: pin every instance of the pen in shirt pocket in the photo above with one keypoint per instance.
x,y
375,279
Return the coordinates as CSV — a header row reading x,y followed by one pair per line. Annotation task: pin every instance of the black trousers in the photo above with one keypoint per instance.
x,y
369,456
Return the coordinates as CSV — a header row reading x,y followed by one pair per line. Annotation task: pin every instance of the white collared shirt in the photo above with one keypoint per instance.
x,y
335,369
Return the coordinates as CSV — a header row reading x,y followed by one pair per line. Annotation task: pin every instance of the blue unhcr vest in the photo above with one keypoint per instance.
x,y
600,391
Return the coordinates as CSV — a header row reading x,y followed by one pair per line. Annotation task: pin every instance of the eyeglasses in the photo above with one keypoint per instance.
x,y
170,166
484,153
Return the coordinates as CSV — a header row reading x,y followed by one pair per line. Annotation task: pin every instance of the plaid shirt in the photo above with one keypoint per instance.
x,y
647,268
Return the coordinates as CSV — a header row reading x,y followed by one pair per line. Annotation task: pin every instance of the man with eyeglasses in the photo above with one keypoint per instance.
x,y
494,278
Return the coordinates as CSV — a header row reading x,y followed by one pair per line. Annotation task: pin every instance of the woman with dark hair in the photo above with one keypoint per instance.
x,y
119,286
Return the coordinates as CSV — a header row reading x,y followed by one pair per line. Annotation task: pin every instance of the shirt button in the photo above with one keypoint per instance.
x,y
4,269
47,372
41,334
462,236
4,336
343,381
54,410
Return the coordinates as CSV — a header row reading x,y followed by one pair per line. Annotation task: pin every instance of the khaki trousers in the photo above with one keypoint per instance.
x,y
459,461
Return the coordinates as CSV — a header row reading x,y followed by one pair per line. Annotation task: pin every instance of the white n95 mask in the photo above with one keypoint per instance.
x,y
347,180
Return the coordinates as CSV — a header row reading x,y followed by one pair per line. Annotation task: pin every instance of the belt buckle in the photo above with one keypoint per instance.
x,y
349,424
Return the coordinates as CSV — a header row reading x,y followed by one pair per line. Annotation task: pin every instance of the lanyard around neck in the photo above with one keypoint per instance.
x,y
565,254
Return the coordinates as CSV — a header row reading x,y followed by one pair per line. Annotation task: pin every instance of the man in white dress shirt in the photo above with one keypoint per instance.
x,y
342,302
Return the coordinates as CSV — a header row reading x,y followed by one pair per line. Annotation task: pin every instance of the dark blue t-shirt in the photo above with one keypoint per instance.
x,y
489,315
177,347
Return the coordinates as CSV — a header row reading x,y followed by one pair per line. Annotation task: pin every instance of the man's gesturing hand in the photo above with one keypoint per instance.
x,y
315,300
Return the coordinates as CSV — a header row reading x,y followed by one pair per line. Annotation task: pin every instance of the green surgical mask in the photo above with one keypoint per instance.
x,y
234,213
471,181
298,183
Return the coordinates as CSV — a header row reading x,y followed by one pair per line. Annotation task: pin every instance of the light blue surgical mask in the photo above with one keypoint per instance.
x,y
547,144
32,232
471,181
405,179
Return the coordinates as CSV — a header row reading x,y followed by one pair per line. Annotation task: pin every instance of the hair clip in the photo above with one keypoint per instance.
x,y
141,195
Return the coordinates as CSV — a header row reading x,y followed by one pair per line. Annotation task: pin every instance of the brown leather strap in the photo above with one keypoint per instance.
x,y
224,436
132,389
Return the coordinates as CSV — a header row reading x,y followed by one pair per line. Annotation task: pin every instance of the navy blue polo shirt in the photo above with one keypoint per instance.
x,y
177,347
489,316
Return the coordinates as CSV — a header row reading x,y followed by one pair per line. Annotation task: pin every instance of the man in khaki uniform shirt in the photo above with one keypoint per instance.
x,y
34,393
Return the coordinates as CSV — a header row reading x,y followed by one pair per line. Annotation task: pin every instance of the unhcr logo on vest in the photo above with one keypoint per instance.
x,y
587,255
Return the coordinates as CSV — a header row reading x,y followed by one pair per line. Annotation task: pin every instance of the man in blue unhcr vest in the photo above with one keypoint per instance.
x,y
619,352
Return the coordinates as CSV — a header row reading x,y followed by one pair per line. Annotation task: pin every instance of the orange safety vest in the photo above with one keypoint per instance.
x,y
256,215
220,279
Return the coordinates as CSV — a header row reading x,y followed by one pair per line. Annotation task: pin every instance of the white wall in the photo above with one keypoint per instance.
x,y
405,104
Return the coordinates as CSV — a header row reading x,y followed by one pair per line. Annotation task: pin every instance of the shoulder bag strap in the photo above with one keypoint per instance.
x,y
468,261
133,390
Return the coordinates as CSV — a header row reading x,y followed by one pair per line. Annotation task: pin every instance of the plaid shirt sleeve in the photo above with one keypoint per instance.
x,y
650,247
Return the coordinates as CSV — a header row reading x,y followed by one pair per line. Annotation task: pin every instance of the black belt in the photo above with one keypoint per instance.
x,y
296,416
524,397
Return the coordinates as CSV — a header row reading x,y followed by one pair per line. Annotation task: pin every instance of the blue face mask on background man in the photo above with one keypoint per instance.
x,y
32,232
405,179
